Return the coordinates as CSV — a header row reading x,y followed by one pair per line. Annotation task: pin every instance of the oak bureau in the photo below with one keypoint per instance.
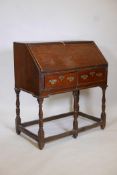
x,y
44,69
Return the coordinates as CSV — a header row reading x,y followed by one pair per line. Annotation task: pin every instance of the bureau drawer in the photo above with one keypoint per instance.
x,y
64,80
92,76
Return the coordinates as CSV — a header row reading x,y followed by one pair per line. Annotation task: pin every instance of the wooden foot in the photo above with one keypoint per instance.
x,y
41,140
17,119
103,114
76,110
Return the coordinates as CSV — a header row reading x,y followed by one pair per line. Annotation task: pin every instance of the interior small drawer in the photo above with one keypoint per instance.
x,y
62,80
92,76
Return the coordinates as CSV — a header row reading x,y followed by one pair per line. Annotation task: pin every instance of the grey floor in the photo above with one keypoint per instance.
x,y
93,152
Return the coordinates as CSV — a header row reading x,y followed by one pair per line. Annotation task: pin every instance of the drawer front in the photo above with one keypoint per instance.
x,y
91,76
65,80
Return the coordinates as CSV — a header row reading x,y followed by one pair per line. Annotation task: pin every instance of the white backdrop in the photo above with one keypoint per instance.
x,y
38,20
53,20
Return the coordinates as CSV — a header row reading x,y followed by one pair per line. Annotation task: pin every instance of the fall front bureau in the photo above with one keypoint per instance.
x,y
44,69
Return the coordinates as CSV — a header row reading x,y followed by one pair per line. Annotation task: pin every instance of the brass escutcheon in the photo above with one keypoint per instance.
x,y
53,81
84,77
99,74
71,78
92,74
61,77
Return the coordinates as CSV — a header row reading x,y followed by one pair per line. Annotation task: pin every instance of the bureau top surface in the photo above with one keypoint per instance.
x,y
66,55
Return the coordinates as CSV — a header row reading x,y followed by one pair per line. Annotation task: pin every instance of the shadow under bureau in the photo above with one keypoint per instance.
x,y
44,69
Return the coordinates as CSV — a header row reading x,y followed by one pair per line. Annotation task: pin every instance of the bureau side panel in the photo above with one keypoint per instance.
x,y
26,71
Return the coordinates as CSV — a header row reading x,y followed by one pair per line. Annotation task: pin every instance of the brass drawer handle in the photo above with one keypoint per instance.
x,y
53,81
84,77
61,77
99,74
92,74
71,78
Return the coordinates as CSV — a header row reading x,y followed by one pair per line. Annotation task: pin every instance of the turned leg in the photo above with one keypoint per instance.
x,y
103,114
41,131
76,110
18,119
